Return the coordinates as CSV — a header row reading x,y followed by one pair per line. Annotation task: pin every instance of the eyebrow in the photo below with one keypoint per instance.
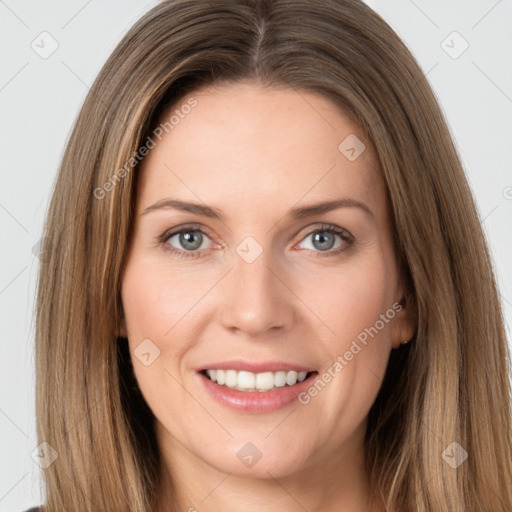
x,y
300,212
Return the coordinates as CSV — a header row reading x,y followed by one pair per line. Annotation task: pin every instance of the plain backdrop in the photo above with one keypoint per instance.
x,y
464,47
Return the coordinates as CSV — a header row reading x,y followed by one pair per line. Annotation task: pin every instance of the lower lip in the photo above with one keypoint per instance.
x,y
255,401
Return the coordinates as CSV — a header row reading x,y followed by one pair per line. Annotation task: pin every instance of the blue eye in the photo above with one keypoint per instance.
x,y
192,238
324,239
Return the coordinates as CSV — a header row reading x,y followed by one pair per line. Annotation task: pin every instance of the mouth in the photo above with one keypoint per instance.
x,y
255,387
246,381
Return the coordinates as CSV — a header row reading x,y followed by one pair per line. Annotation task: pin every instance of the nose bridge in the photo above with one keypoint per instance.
x,y
256,300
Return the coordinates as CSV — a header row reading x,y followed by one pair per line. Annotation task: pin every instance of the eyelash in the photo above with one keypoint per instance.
x,y
342,233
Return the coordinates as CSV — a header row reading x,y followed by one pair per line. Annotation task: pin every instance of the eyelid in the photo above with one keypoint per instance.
x,y
187,227
324,226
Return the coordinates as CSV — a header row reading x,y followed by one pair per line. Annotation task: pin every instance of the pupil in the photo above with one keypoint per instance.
x,y
322,238
189,241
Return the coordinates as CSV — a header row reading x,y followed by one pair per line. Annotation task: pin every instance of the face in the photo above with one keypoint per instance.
x,y
293,311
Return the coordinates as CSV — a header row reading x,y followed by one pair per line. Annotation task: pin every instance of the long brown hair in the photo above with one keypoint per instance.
x,y
449,385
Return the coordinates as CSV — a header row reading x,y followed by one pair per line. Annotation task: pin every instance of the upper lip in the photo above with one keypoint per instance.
x,y
256,367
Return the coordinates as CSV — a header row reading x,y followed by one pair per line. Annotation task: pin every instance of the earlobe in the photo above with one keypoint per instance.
x,y
398,343
123,333
404,324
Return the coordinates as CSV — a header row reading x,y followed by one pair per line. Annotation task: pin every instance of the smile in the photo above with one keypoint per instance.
x,y
250,387
249,381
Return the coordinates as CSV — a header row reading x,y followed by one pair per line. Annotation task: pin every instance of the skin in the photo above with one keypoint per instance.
x,y
254,153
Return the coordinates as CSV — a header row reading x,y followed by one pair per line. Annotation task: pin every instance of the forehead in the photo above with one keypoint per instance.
x,y
246,146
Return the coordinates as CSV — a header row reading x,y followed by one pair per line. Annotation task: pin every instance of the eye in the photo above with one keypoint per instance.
x,y
191,241
324,240
187,242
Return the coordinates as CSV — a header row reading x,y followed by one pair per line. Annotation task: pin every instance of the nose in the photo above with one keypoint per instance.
x,y
256,297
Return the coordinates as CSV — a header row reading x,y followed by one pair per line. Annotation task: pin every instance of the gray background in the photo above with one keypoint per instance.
x,y
40,97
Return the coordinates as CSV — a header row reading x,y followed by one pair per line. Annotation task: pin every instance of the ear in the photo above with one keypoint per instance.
x,y
405,321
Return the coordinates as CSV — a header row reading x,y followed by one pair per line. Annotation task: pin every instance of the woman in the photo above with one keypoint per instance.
x,y
268,285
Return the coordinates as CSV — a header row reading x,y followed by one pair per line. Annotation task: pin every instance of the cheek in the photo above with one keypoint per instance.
x,y
142,304
356,311
355,348
357,307
154,303
349,300
155,300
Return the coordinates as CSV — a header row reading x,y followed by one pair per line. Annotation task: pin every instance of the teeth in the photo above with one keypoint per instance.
x,y
248,381
280,379
265,381
231,378
291,378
